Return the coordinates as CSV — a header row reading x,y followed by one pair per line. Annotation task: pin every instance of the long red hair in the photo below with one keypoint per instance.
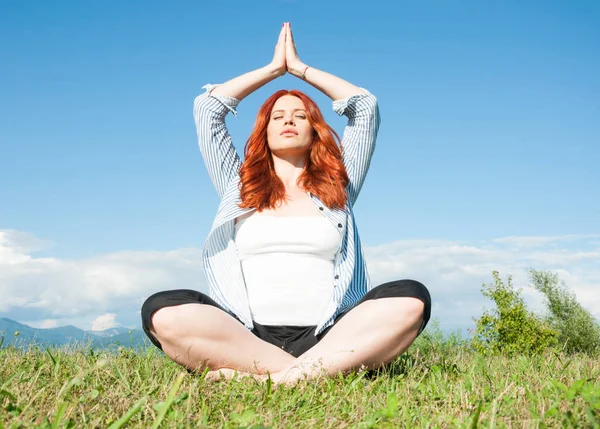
x,y
324,176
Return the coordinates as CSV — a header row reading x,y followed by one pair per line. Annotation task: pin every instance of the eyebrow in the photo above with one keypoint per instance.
x,y
283,110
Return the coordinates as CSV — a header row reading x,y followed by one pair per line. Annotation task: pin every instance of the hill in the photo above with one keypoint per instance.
x,y
22,335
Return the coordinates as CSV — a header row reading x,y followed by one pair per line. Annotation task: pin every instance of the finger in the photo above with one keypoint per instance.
x,y
289,33
282,33
281,38
289,42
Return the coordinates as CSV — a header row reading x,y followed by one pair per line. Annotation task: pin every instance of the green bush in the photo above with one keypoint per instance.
x,y
576,327
433,338
510,327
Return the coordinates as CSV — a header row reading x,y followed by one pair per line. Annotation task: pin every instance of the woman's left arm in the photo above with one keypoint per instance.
x,y
357,104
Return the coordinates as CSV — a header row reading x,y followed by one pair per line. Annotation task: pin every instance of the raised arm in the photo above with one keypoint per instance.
x,y
210,109
358,104
330,85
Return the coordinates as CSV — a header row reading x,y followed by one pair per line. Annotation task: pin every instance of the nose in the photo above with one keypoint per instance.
x,y
289,120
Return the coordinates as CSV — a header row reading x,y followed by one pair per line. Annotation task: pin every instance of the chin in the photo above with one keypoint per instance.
x,y
285,150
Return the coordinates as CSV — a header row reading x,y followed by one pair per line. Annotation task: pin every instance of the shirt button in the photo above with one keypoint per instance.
x,y
336,277
339,225
321,208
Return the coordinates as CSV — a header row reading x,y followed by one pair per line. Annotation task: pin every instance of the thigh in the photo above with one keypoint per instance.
x,y
199,335
169,298
396,289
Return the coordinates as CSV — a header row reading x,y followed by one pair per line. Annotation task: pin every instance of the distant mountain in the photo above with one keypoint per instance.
x,y
21,335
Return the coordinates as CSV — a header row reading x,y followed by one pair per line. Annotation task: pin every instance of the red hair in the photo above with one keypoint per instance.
x,y
324,175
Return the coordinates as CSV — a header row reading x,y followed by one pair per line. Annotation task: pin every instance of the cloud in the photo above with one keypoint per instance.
x,y
16,245
43,324
75,291
455,271
537,241
49,323
106,321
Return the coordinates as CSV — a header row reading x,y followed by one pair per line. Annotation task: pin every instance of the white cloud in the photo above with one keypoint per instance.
x,y
43,324
15,246
536,241
49,323
106,321
73,291
454,272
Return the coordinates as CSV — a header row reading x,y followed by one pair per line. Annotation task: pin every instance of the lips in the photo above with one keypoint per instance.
x,y
289,131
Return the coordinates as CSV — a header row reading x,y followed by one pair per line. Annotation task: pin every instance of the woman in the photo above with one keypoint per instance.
x,y
290,294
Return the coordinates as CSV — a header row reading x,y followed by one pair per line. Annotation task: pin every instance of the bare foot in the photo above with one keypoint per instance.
x,y
285,380
292,376
228,374
288,377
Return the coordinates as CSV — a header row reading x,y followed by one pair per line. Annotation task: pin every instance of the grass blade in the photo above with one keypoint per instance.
x,y
59,416
170,398
128,415
269,388
475,420
51,358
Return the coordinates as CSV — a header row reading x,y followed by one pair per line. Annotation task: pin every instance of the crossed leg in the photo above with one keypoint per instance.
x,y
199,336
371,335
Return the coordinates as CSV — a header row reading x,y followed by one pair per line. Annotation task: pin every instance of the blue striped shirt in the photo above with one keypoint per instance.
x,y
219,255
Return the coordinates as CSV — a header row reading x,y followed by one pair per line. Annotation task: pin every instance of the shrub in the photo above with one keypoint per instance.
x,y
510,327
434,338
576,327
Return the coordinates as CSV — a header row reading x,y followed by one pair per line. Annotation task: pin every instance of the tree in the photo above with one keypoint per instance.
x,y
576,327
510,327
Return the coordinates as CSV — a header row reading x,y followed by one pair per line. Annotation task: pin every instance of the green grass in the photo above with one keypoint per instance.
x,y
435,384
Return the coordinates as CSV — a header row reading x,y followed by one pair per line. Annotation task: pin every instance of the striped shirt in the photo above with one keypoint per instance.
x,y
219,255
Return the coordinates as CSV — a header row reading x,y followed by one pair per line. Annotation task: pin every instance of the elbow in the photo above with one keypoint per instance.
x,y
370,107
204,111
373,110
373,102
200,104
368,103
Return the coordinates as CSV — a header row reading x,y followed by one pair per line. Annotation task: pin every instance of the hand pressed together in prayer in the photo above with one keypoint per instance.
x,y
285,58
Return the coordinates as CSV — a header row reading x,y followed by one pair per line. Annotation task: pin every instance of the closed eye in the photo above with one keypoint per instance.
x,y
297,116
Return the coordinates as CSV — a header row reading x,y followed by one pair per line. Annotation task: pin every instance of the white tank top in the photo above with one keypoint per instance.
x,y
288,267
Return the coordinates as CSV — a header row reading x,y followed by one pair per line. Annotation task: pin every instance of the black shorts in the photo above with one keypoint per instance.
x,y
293,339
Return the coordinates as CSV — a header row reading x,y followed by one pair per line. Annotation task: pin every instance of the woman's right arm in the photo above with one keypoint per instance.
x,y
210,109
242,86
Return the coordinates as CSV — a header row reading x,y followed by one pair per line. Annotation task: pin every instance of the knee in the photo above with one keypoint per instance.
x,y
413,309
416,299
163,323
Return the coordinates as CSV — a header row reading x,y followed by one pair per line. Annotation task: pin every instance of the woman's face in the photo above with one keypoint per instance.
x,y
289,131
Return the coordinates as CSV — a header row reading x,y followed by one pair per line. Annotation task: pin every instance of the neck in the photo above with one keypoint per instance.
x,y
289,168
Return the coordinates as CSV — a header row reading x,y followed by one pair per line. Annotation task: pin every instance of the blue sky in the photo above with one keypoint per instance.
x,y
490,122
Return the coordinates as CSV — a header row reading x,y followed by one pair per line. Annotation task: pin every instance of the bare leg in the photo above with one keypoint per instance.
x,y
198,335
369,336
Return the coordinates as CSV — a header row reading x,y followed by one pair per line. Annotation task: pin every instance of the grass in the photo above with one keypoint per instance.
x,y
437,383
